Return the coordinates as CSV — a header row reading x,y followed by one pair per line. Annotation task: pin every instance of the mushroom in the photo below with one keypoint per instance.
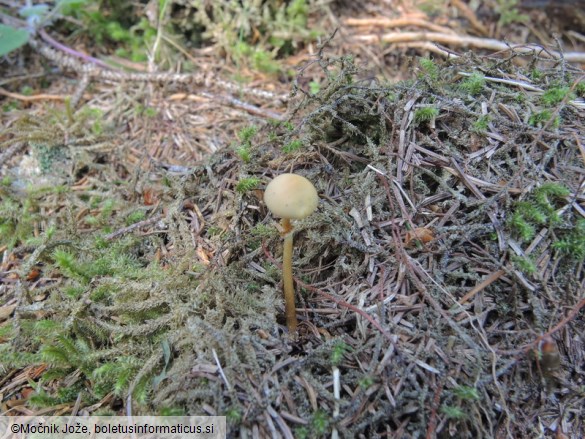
x,y
290,196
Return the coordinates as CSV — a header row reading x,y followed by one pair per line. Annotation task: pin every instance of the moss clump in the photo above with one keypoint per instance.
x,y
473,84
247,184
425,114
554,96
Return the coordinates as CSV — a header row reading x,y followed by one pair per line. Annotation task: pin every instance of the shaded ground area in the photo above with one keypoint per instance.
x,y
440,284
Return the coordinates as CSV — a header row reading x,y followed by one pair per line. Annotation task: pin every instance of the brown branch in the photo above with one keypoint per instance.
x,y
466,41
396,22
39,97
433,418
482,285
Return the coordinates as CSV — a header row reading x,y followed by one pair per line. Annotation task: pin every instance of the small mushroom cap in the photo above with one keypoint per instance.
x,y
291,196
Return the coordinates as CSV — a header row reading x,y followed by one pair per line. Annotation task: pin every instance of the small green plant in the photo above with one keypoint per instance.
x,y
245,136
509,13
535,75
554,96
234,27
473,84
233,415
314,87
247,184
243,152
264,62
580,89
102,21
538,209
545,194
452,412
532,212
107,208
135,217
525,264
466,393
12,38
172,411
337,352
540,118
301,432
481,124
431,7
573,244
262,230
366,382
425,114
247,133
292,146
17,219
320,423
69,265
259,58
429,68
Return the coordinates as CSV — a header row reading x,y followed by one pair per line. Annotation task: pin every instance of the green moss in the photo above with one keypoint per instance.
x,y
262,230
452,412
337,352
481,124
473,84
292,146
573,242
234,26
135,217
429,69
509,12
540,118
264,62
425,114
320,422
525,264
247,184
69,265
172,411
301,432
366,382
243,152
233,415
246,134
580,89
466,393
554,96
538,210
535,75
314,87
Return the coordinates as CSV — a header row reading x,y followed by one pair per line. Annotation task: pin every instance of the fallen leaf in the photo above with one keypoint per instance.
x,y
6,311
421,234
33,274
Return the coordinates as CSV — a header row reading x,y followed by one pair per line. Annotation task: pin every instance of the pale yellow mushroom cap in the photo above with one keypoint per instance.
x,y
291,196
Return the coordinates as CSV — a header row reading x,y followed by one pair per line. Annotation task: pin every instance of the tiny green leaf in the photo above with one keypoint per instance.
x,y
11,39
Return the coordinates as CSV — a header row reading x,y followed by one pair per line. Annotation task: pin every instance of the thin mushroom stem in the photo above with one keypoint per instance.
x,y
287,276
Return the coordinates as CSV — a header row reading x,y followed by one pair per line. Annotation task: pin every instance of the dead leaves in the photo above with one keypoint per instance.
x,y
420,234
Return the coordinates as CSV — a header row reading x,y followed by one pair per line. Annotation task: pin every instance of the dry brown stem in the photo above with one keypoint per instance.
x,y
467,41
397,22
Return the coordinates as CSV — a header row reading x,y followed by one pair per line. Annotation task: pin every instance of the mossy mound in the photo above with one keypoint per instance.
x,y
439,283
